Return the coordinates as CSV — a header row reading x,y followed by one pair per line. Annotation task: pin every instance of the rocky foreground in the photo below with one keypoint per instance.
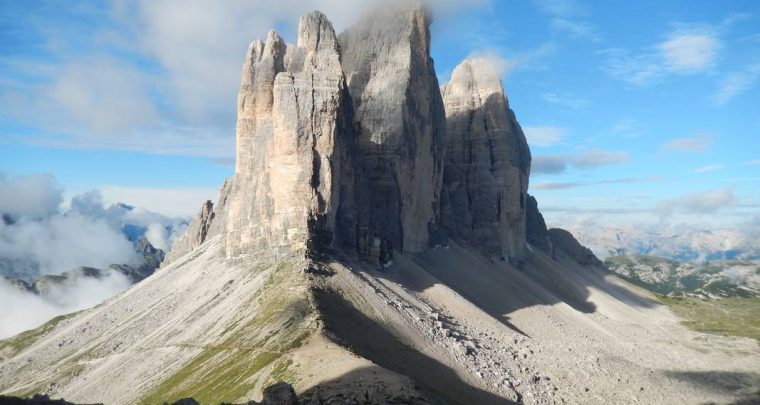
x,y
377,245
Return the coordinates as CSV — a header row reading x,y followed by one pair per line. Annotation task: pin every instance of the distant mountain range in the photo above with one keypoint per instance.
x,y
712,279
150,259
683,244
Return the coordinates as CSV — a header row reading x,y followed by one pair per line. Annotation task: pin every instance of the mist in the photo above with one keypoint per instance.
x,y
42,233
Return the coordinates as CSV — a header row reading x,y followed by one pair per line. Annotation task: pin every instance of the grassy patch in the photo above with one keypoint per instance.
x,y
9,347
227,371
726,316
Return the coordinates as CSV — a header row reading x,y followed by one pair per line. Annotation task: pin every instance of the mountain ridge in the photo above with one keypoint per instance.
x,y
330,263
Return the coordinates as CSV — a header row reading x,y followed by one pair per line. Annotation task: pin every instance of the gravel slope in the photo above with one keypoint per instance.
x,y
443,326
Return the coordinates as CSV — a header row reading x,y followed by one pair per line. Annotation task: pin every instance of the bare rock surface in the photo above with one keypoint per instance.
x,y
341,139
400,124
535,226
291,134
564,243
487,163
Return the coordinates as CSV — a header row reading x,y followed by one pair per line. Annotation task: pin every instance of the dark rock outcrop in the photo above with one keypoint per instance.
x,y
400,125
535,227
564,243
35,400
487,163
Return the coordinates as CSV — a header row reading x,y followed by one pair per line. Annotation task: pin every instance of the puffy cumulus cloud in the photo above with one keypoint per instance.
x,y
743,275
701,203
491,63
33,196
39,236
60,242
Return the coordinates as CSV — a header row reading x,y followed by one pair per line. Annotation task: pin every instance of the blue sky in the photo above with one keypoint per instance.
x,y
636,112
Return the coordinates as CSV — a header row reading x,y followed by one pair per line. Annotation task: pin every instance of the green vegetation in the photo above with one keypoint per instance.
x,y
717,278
11,346
227,371
726,316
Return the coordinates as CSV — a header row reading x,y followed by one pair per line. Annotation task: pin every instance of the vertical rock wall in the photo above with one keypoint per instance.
x,y
400,125
342,141
487,163
289,143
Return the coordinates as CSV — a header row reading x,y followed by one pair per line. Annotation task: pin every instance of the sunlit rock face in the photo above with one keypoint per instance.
x,y
487,163
293,122
349,142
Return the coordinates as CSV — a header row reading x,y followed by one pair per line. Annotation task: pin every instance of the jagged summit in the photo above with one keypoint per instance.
x,y
339,150
349,155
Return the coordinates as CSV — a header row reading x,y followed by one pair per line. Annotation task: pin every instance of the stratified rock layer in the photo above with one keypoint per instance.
x,y
487,163
400,124
290,131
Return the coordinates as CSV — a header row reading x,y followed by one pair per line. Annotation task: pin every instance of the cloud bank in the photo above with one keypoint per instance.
x,y
40,236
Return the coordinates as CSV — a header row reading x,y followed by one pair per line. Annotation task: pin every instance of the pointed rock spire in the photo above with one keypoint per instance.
x,y
291,132
400,124
487,162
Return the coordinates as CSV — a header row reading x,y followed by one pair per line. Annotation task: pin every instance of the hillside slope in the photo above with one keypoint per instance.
x,y
444,326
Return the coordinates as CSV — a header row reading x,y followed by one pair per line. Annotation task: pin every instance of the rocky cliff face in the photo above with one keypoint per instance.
x,y
348,141
400,125
291,135
536,232
487,163
564,243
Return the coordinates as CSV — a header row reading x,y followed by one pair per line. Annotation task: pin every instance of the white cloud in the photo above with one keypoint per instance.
x,y
173,202
566,100
585,160
682,52
41,236
492,61
548,164
35,196
701,203
543,136
568,18
736,83
593,158
692,144
102,94
164,81
24,310
689,52
709,168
